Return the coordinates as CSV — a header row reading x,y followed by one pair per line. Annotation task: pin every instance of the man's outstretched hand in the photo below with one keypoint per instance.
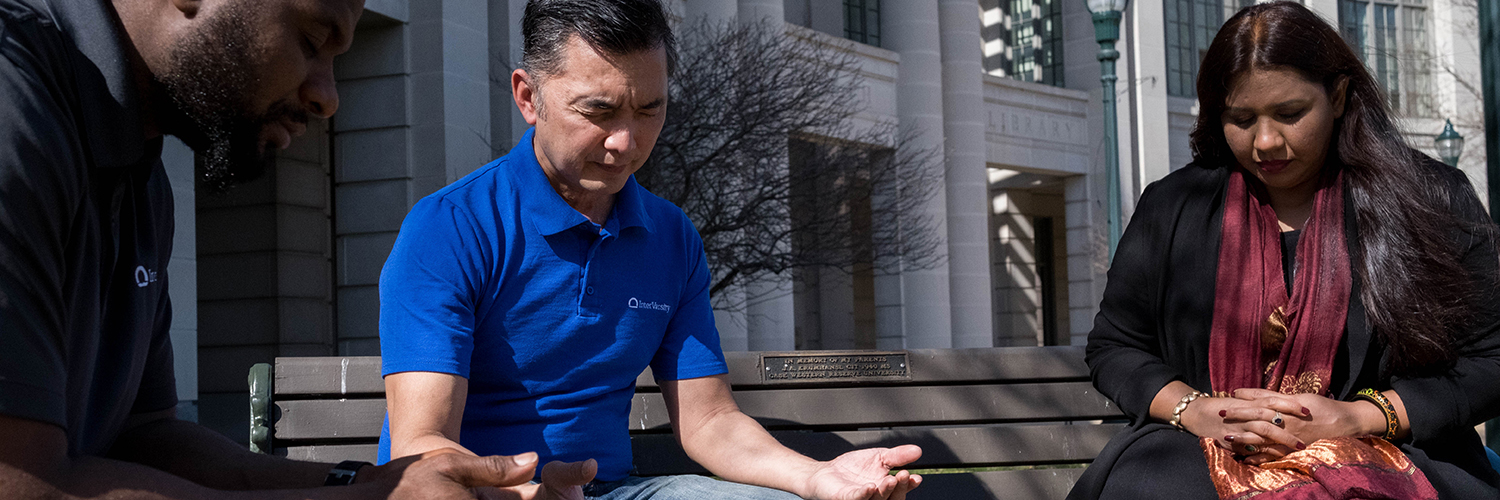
x,y
865,475
448,474
560,481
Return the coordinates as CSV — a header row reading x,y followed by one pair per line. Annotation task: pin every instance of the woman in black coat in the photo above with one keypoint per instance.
x,y
1311,309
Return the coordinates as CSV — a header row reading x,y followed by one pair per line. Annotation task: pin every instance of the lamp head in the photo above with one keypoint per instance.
x,y
1102,6
1107,15
1449,144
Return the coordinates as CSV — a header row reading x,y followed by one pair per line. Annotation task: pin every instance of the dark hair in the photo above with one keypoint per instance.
x,y
1406,257
616,27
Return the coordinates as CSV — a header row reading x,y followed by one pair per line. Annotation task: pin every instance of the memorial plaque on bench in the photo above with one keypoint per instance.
x,y
826,366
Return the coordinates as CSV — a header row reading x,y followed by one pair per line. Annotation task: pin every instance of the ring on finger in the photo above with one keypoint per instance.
x,y
1251,449
1277,420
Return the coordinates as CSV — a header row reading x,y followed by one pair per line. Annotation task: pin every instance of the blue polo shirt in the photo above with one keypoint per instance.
x,y
550,317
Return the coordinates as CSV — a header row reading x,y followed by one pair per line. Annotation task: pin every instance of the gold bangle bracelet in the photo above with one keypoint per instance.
x,y
1380,401
1182,405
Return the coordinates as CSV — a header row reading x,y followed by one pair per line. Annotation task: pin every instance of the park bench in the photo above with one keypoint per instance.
x,y
1016,422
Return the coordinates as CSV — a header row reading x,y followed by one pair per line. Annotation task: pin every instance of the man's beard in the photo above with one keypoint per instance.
x,y
211,84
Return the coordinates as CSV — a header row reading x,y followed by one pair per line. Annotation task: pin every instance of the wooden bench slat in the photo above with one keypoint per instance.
x,y
942,447
329,418
902,405
998,364
343,375
1030,483
361,374
331,453
994,364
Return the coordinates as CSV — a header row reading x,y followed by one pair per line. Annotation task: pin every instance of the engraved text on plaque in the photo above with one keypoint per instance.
x,y
852,366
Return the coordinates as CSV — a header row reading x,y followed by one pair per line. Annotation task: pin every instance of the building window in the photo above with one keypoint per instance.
x,y
862,21
1392,38
1191,26
1024,40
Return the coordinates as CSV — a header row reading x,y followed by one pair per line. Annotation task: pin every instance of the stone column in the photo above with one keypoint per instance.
x,y
757,10
770,320
182,275
1327,9
911,29
729,304
770,313
729,319
506,124
267,286
968,182
712,10
375,147
1086,256
1143,47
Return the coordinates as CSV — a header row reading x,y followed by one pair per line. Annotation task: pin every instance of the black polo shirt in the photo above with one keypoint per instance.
x,y
85,227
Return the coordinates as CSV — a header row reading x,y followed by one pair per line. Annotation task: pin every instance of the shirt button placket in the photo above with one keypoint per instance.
x,y
588,303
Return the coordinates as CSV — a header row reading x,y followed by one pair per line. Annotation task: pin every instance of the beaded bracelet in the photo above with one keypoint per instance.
x,y
1181,406
1385,406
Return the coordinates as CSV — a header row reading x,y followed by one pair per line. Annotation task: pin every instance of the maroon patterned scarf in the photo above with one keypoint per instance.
x,y
1265,337
1262,336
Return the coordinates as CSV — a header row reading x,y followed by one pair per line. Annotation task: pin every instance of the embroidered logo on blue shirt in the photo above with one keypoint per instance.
x,y
634,303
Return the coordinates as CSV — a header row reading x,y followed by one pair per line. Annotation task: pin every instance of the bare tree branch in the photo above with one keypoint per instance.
x,y
764,151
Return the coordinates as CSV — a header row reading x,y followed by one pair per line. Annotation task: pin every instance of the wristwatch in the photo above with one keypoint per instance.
x,y
343,473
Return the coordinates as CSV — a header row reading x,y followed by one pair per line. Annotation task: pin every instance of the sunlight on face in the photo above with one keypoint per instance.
x,y
600,117
1279,126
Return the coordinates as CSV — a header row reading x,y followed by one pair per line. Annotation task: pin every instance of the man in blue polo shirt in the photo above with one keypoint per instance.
x,y
519,303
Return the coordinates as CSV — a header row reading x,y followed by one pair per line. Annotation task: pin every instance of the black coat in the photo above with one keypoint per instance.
x,y
1154,322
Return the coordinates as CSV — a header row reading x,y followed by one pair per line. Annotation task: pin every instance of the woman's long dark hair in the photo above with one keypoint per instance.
x,y
1407,260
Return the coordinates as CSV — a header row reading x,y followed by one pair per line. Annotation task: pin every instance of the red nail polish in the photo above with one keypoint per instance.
x,y
1229,438
1301,445
1223,413
1306,412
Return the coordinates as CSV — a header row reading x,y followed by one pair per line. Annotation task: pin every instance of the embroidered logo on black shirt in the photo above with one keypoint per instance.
x,y
144,276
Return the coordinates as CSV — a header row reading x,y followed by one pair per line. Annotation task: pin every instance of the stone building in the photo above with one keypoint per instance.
x,y
1007,90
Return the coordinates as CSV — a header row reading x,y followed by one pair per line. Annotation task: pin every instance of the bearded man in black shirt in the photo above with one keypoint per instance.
x,y
88,88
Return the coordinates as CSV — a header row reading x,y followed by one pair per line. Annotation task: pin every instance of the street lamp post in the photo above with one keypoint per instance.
x,y
1107,14
1489,69
1449,145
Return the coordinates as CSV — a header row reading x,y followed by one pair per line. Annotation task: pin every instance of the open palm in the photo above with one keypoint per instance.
x,y
865,475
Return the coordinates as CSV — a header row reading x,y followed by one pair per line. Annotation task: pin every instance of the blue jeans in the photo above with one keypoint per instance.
x,y
680,488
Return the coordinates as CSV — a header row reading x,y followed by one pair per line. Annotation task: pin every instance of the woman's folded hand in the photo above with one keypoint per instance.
x,y
1275,424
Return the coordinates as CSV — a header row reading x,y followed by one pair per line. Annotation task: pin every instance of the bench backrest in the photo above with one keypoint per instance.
x,y
966,408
